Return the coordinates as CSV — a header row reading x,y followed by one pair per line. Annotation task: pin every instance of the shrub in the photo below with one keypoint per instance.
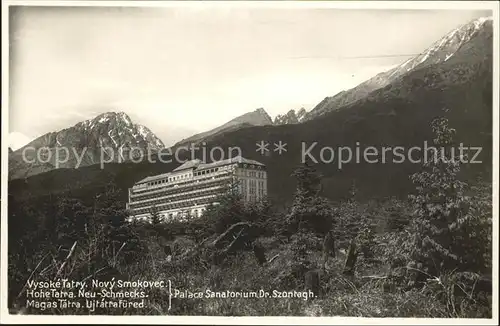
x,y
447,225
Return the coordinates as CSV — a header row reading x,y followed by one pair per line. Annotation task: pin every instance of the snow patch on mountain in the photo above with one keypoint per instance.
x,y
440,51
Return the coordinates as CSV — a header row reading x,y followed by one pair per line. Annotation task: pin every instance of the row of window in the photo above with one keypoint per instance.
x,y
262,192
251,187
255,174
178,191
167,206
176,188
166,180
174,198
251,166
252,174
212,170
243,186
190,175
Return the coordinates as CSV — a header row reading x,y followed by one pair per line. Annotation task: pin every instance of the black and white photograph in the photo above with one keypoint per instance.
x,y
335,160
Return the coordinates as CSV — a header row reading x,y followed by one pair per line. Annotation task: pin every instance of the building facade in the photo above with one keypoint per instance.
x,y
190,188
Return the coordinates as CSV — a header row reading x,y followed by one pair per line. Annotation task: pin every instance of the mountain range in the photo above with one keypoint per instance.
x,y
86,143
259,117
291,117
452,78
440,51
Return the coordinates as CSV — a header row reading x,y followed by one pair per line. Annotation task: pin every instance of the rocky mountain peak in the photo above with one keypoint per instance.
x,y
109,130
107,118
440,51
119,125
257,117
444,48
265,116
291,117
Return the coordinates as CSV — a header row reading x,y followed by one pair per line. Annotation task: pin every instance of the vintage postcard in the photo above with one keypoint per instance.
x,y
278,162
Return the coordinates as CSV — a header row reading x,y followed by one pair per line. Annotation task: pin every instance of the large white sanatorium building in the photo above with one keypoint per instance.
x,y
187,190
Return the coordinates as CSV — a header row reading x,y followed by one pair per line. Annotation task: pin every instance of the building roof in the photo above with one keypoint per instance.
x,y
188,165
237,159
154,177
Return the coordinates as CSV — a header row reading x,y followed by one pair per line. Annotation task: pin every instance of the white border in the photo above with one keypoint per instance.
x,y
456,5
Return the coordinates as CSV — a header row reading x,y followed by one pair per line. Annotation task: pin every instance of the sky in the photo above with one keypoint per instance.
x,y
185,70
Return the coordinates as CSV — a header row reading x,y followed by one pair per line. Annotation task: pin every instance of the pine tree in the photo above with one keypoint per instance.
x,y
308,182
310,211
228,210
441,205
